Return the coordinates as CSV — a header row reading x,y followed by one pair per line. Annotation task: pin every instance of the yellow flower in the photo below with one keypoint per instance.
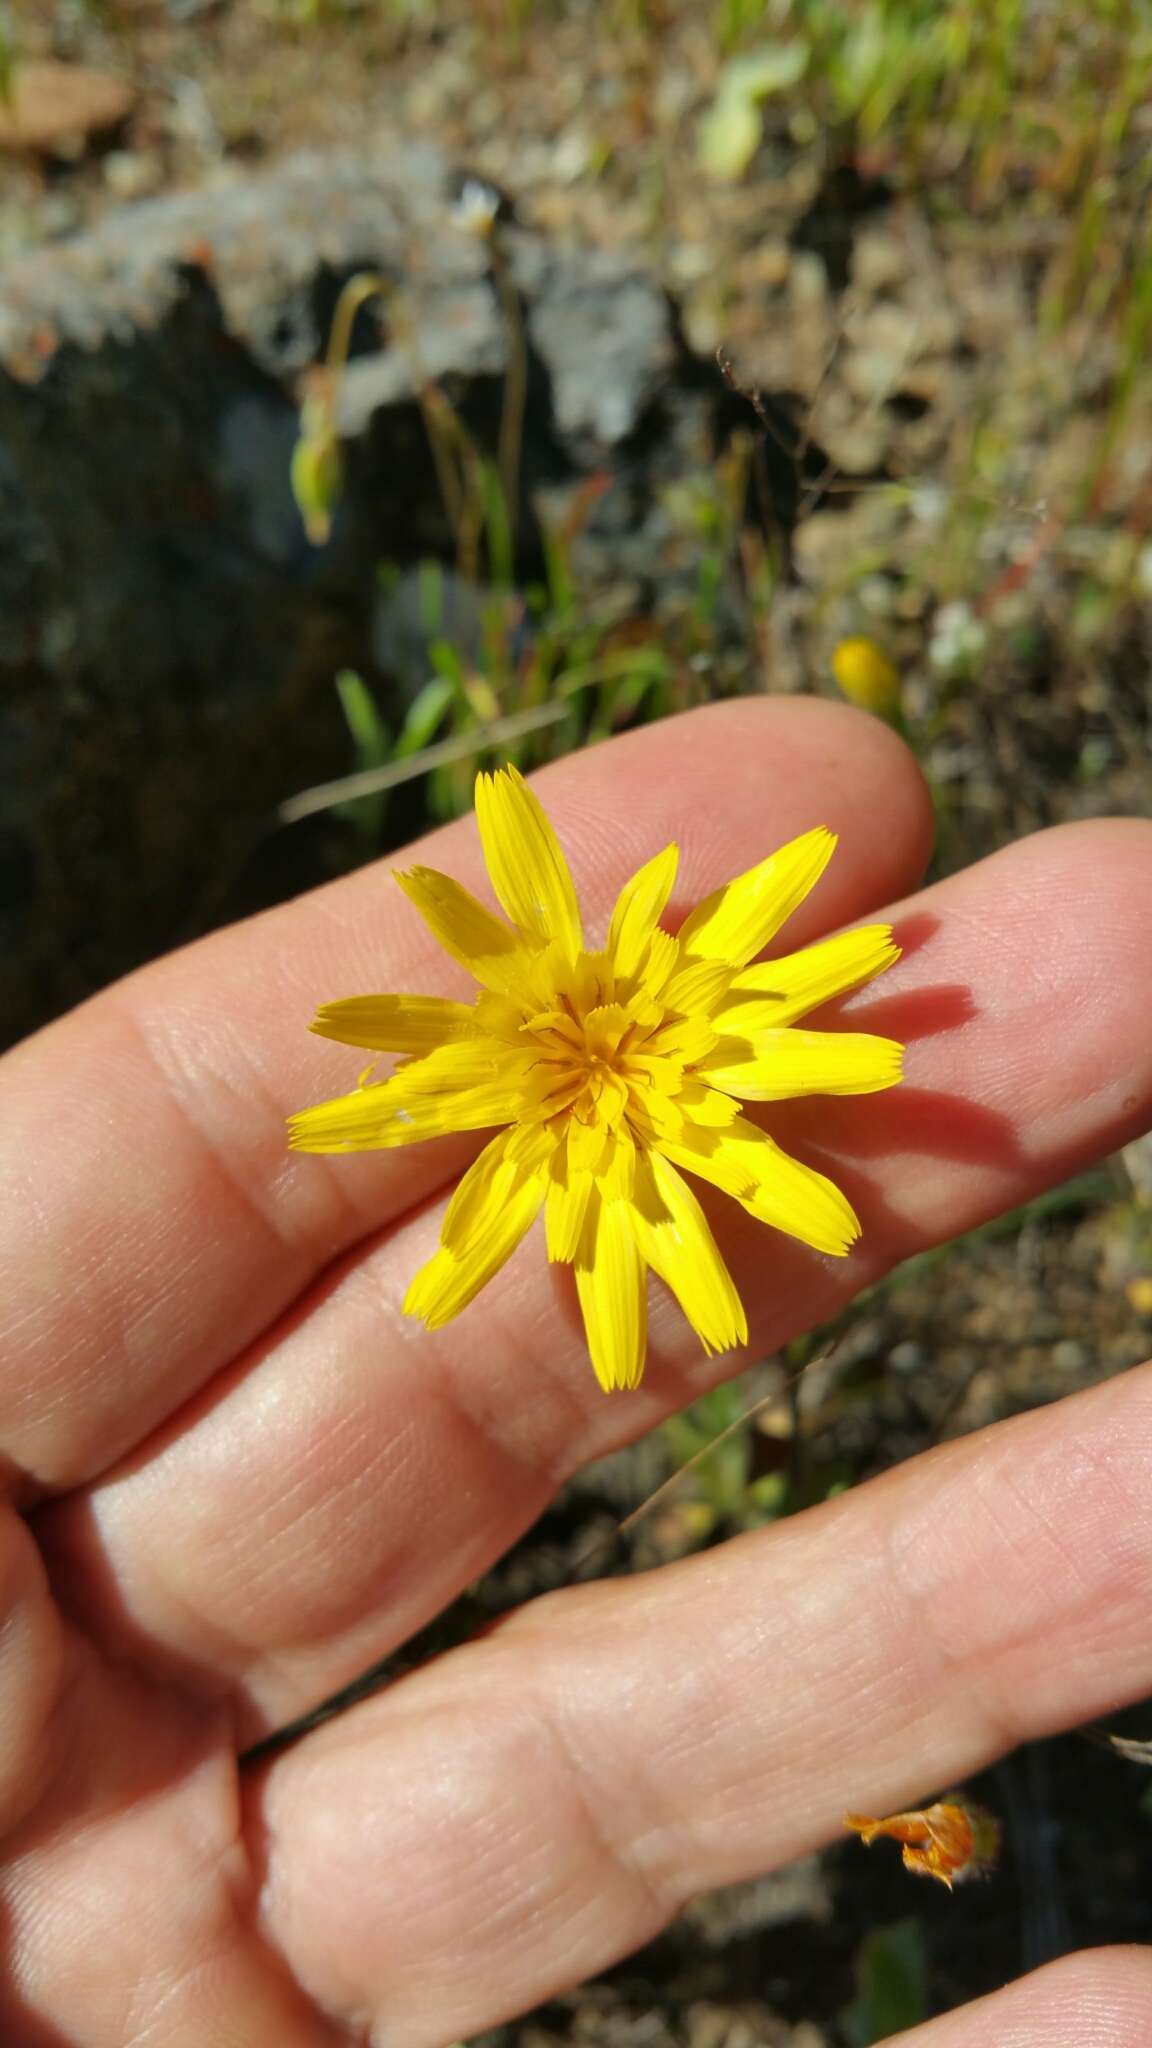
x,y
611,1069
867,677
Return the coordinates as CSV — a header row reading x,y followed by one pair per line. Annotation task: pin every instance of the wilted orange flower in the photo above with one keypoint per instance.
x,y
951,1841
611,1068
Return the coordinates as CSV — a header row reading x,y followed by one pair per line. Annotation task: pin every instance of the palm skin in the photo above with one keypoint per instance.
x,y
235,1476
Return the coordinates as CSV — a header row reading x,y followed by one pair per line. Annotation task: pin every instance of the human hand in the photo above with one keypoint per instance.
x,y
236,1476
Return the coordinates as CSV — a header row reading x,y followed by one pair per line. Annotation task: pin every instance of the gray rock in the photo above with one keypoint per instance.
x,y
907,1358
168,636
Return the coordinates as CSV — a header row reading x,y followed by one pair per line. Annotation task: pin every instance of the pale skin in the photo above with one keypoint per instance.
x,y
235,1476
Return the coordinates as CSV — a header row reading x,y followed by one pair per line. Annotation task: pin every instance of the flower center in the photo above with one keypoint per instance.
x,y
584,1062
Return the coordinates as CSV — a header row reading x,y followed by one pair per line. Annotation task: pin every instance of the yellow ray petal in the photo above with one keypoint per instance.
x,y
776,991
491,1181
686,1039
490,950
779,1064
588,1146
462,1086
701,985
524,859
448,1282
703,1105
672,1233
582,983
548,1089
460,1064
395,1023
500,1016
569,1192
655,1084
735,922
617,1172
524,1144
646,986
638,909
745,1162
603,1028
365,1122
610,1280
655,1114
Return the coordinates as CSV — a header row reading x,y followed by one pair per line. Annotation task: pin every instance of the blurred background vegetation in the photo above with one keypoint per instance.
x,y
912,245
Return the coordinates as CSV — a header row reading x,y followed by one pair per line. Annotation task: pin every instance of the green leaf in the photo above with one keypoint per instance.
x,y
372,742
362,717
449,663
729,136
498,528
430,587
774,68
730,131
424,715
891,1984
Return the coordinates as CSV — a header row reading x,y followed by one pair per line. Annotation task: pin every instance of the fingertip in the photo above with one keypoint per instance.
x,y
1101,1998
747,775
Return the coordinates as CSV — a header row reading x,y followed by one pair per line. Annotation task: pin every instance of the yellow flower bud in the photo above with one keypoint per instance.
x,y
317,468
867,677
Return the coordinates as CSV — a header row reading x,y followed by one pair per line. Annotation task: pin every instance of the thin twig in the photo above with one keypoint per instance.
x,y
753,398
367,781
511,435
367,284
668,1486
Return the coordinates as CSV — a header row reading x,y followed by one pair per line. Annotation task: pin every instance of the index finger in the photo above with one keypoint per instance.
x,y
152,1222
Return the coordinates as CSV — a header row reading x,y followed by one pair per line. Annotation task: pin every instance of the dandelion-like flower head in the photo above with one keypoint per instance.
x,y
610,1070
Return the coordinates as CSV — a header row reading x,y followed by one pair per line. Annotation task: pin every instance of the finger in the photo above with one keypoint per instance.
x,y
127,1899
32,1671
517,1816
151,1220
382,1469
1099,2000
